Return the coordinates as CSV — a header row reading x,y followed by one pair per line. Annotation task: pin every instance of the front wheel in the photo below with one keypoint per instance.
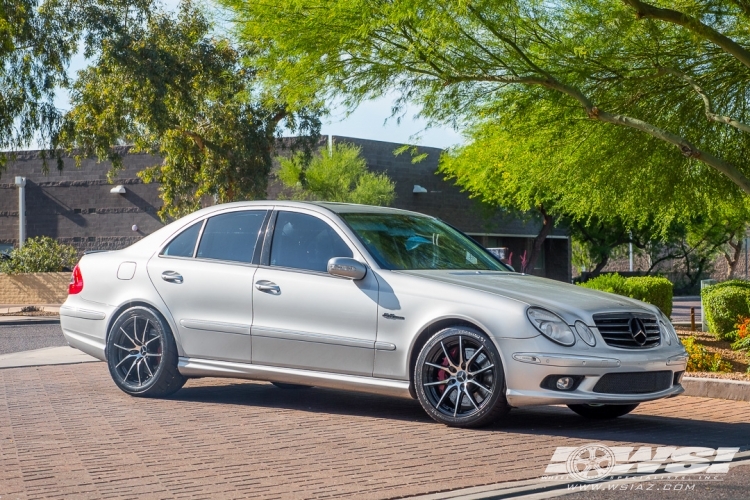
x,y
459,378
602,412
142,354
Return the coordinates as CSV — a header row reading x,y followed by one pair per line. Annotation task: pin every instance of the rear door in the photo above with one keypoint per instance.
x,y
205,276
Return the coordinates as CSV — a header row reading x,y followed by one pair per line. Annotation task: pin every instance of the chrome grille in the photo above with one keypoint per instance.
x,y
615,329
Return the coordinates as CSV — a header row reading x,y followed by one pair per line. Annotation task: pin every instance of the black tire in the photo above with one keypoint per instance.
x,y
602,412
459,378
291,387
142,354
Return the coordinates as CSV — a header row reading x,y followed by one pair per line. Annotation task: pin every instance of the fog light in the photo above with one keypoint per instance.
x,y
565,383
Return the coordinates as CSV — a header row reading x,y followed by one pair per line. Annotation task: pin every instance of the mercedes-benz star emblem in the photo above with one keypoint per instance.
x,y
638,330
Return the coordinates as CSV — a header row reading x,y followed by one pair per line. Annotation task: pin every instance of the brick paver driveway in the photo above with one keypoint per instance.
x,y
66,431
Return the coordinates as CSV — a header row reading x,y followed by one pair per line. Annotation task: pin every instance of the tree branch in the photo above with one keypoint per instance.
x,y
644,10
707,103
594,113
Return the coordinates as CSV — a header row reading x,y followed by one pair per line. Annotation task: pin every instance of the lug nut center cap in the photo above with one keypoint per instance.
x,y
461,376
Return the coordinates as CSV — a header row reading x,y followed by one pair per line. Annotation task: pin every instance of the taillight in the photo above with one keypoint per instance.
x,y
76,281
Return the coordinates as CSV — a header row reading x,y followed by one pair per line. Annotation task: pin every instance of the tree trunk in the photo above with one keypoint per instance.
x,y
600,265
734,258
536,249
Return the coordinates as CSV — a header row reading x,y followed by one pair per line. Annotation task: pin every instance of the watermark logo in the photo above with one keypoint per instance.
x,y
596,462
591,462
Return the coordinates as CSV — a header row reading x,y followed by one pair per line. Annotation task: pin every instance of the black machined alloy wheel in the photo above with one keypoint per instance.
x,y
603,412
459,378
142,355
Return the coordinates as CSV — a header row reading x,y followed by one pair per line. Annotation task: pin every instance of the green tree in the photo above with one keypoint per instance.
x,y
168,84
650,92
37,40
338,175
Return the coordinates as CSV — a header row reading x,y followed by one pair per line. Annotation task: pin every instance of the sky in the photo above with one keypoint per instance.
x,y
371,121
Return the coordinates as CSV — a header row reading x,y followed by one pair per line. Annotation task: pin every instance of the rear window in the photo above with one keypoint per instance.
x,y
184,244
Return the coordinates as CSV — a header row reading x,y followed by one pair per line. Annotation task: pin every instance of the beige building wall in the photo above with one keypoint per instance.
x,y
34,288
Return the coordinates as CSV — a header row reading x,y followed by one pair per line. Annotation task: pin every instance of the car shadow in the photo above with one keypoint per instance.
x,y
554,421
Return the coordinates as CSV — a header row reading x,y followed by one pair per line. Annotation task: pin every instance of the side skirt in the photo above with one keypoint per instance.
x,y
195,367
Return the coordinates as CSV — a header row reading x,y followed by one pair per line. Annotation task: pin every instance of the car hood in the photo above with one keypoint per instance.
x,y
559,297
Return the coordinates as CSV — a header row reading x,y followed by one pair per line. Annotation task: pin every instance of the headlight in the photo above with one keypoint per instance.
x,y
551,325
665,332
670,334
585,333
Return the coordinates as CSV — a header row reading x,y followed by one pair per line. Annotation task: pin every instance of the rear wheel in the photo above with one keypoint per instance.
x,y
603,412
142,354
459,378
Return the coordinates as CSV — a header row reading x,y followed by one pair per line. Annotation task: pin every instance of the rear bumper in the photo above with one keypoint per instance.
x,y
84,325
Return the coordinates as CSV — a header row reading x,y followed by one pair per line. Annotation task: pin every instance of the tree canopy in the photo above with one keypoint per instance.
x,y
37,40
616,106
338,175
168,84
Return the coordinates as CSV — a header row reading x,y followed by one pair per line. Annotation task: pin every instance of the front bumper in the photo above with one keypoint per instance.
x,y
525,370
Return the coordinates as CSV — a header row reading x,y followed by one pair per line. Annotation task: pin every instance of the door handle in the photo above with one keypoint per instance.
x,y
171,277
268,287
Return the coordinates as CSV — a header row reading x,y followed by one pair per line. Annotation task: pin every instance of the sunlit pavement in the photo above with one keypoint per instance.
x,y
66,431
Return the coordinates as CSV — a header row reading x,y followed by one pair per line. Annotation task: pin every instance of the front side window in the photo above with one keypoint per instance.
x,y
412,242
184,244
231,236
302,241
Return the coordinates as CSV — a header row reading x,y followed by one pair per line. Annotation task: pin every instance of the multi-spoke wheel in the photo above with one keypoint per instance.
x,y
603,412
142,355
459,378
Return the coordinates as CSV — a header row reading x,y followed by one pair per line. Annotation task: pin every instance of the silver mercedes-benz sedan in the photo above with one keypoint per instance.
x,y
367,299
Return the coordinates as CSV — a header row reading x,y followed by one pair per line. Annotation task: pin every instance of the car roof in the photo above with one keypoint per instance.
x,y
338,208
350,208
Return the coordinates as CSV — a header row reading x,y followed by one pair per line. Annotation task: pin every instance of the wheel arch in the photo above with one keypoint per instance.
x,y
431,329
143,303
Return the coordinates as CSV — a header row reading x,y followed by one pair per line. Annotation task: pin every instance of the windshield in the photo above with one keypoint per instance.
x,y
411,242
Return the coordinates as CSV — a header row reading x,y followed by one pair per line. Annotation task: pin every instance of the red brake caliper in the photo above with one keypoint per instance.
x,y
442,374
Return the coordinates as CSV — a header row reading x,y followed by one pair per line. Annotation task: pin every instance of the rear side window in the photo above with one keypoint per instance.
x,y
184,244
231,236
302,241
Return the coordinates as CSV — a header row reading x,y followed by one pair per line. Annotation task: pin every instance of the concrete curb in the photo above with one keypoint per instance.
x,y
46,356
716,388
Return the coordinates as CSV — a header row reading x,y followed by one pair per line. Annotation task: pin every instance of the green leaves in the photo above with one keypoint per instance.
x,y
171,86
39,255
576,66
340,175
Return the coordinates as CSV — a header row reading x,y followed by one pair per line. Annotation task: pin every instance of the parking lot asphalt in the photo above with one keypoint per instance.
x,y
17,338
67,432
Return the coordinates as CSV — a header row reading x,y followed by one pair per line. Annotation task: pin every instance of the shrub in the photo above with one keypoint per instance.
x,y
40,255
652,289
702,360
725,304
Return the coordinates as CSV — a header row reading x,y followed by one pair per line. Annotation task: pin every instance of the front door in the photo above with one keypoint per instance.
x,y
304,317
208,287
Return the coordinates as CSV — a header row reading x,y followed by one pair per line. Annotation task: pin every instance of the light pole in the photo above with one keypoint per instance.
x,y
21,183
630,250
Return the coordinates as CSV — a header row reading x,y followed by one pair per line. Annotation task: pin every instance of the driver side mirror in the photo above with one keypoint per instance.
x,y
346,267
